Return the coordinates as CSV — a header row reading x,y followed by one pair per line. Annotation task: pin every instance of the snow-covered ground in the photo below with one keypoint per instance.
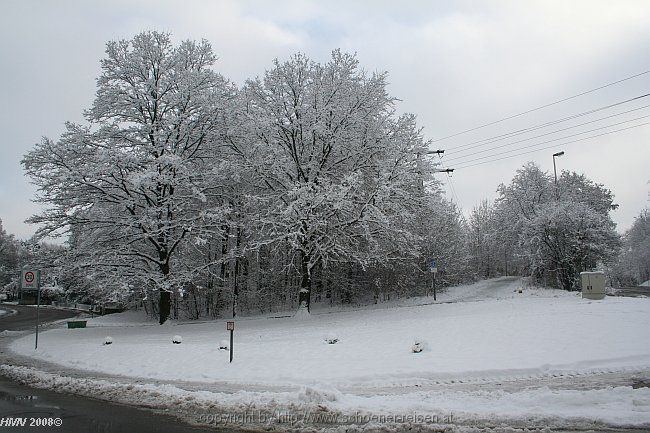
x,y
473,334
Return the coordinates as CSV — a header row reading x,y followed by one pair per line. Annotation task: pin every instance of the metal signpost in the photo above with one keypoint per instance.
x,y
230,326
434,271
31,279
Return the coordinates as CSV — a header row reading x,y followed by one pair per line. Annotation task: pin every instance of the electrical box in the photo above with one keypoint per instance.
x,y
593,285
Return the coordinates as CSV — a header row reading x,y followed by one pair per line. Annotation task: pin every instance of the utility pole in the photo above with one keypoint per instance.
x,y
557,191
434,270
429,152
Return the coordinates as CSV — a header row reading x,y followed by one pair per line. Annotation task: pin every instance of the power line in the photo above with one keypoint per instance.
x,y
453,190
553,146
450,185
458,204
543,142
556,139
447,185
541,107
543,135
542,125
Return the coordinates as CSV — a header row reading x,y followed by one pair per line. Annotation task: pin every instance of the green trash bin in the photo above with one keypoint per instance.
x,y
76,324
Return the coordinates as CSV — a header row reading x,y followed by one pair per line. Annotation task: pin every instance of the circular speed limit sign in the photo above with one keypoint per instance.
x,y
29,277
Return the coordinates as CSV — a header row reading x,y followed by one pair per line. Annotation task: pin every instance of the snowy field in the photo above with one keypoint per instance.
x,y
513,332
473,333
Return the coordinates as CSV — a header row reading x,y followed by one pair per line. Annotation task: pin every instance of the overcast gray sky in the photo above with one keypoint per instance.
x,y
456,65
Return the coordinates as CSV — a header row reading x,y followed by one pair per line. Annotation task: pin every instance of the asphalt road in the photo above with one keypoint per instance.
x,y
75,414
25,317
632,291
78,415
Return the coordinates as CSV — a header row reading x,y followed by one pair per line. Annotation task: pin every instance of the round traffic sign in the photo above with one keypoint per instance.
x,y
29,277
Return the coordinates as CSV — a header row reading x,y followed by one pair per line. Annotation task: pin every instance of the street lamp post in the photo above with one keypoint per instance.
x,y
557,191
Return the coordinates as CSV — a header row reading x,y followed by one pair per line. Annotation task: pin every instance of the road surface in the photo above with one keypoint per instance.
x,y
23,317
79,415
74,413
632,291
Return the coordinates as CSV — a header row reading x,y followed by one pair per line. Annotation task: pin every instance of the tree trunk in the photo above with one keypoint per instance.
x,y
304,296
165,301
565,277
235,288
164,305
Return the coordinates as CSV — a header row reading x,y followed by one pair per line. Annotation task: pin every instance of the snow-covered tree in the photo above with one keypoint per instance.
x,y
212,199
443,234
492,240
137,177
567,238
563,235
9,257
633,265
482,239
338,169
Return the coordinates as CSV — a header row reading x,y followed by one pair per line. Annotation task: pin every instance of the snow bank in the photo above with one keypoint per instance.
x,y
126,318
541,408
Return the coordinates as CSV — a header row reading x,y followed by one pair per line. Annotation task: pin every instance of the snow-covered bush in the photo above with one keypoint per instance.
x,y
177,339
108,340
331,339
419,346
223,345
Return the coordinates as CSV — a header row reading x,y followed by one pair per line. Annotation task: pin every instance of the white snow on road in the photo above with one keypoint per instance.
x,y
540,408
496,332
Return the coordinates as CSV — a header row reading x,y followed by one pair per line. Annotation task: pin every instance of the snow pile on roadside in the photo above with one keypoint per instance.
x,y
10,333
126,318
331,409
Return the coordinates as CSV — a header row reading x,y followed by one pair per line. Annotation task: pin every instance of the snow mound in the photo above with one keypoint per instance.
x,y
419,345
125,318
331,338
318,396
302,313
8,333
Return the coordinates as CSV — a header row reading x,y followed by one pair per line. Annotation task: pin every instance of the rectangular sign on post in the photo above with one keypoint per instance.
x,y
230,326
434,267
29,279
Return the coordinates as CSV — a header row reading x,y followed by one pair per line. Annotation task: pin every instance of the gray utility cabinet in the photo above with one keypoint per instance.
x,y
593,285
